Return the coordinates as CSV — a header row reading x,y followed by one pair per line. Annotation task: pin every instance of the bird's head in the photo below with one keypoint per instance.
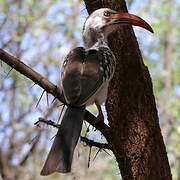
x,y
104,21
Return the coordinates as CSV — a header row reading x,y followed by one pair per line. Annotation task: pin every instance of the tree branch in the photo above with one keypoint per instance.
x,y
83,139
48,122
31,74
49,88
33,147
95,144
98,124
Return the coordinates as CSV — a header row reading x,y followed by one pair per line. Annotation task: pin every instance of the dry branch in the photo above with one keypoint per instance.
x,y
92,143
48,122
19,66
88,142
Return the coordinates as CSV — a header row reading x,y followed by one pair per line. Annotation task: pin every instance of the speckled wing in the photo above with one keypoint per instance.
x,y
82,75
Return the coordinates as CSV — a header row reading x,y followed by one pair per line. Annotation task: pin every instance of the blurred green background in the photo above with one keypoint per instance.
x,y
41,33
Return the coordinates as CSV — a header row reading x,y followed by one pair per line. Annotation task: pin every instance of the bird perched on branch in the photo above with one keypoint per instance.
x,y
86,74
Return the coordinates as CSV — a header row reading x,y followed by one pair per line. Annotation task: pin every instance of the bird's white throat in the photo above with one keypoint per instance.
x,y
93,38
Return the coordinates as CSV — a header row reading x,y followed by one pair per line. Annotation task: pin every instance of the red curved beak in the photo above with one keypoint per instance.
x,y
130,19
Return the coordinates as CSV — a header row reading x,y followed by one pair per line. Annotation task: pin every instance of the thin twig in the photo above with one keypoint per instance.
x,y
91,143
106,152
8,73
40,98
89,157
96,154
53,100
47,98
48,122
33,85
60,114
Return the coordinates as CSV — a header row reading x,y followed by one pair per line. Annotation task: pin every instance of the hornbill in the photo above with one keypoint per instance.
x,y
85,77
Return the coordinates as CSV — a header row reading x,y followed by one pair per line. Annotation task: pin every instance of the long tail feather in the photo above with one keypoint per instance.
x,y
61,153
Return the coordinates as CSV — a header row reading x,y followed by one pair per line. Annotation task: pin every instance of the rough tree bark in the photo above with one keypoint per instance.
x,y
135,138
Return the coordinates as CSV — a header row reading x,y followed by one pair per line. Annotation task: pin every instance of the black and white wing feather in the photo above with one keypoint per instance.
x,y
84,72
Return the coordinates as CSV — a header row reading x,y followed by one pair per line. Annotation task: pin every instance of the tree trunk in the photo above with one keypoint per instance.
x,y
135,138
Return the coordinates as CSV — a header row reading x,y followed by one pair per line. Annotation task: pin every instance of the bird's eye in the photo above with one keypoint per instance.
x,y
107,13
